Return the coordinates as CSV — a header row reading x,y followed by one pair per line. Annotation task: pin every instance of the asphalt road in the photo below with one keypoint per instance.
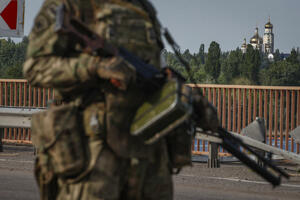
x,y
231,181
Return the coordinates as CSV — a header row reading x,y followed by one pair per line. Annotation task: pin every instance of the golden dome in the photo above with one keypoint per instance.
x,y
269,25
254,39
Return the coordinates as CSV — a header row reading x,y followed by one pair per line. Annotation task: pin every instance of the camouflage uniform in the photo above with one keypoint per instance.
x,y
122,166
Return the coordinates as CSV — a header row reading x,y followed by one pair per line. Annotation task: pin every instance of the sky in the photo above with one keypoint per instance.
x,y
228,22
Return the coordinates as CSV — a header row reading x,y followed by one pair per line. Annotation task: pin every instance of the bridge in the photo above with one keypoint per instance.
x,y
237,107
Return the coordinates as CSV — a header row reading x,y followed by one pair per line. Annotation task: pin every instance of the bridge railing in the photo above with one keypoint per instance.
x,y
237,106
18,93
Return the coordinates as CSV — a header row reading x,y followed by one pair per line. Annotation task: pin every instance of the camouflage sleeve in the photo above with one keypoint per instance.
x,y
53,62
47,63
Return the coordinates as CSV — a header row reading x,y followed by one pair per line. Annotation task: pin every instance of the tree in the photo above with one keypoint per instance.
x,y
282,73
293,58
251,64
12,57
277,56
201,54
212,65
235,59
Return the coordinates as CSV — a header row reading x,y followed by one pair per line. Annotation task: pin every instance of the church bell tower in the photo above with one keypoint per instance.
x,y
268,38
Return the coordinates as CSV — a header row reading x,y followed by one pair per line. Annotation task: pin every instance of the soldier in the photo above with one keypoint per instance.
x,y
116,165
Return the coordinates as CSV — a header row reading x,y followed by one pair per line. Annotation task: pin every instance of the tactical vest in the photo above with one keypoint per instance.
x,y
124,24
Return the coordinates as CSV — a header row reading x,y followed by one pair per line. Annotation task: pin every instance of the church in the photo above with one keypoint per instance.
x,y
265,44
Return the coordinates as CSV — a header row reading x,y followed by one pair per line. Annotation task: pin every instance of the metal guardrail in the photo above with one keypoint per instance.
x,y
15,123
14,117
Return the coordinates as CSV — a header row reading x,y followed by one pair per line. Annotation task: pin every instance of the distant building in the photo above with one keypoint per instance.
x,y
265,44
244,46
269,38
256,41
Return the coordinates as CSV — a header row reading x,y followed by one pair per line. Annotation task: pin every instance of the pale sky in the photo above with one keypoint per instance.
x,y
228,22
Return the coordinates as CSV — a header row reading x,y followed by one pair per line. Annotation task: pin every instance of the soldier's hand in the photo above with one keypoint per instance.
x,y
206,114
118,72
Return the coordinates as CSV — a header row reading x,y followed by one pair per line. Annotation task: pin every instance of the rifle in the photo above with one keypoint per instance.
x,y
148,75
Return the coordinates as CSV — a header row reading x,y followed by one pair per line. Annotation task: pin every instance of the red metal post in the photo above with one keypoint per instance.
x,y
44,97
20,93
287,121
209,95
19,104
260,109
224,109
49,94
39,97
266,111
6,94
229,110
271,117
239,110
34,97
11,91
276,118
30,96
293,119
249,105
254,104
15,94
214,97
281,119
244,107
5,103
10,104
25,95
219,103
234,111
203,142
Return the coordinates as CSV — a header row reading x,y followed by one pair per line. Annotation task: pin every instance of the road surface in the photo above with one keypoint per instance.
x,y
231,181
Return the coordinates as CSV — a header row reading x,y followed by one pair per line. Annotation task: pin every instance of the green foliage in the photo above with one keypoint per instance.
x,y
201,54
237,68
12,57
277,55
242,81
251,64
293,58
213,65
282,73
231,67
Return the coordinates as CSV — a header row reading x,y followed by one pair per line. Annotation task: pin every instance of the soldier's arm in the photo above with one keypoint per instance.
x,y
53,61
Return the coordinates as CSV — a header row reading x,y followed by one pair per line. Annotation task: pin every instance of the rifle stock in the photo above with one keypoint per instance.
x,y
232,144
